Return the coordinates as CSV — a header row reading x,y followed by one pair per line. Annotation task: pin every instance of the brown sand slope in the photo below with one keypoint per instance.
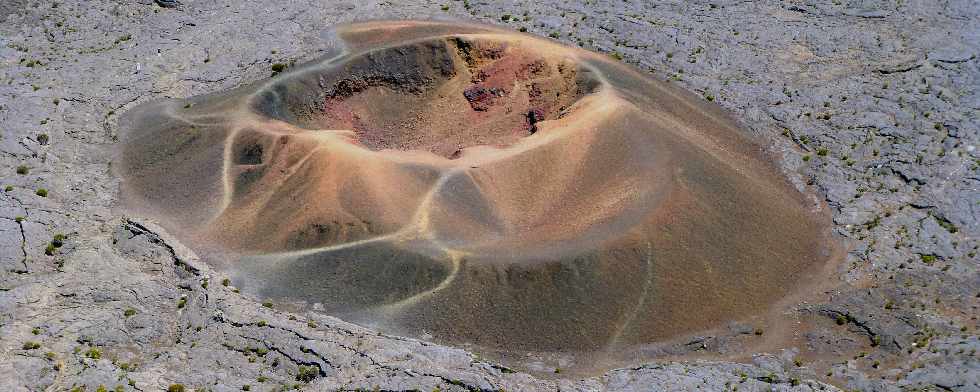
x,y
484,186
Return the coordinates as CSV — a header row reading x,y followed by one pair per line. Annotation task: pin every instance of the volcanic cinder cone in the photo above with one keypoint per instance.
x,y
484,186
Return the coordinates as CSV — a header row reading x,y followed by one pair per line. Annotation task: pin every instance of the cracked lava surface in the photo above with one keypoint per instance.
x,y
480,187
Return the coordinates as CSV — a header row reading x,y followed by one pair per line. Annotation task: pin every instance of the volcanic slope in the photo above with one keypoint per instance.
x,y
479,185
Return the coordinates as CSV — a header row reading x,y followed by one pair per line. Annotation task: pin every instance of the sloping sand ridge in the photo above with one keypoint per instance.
x,y
483,186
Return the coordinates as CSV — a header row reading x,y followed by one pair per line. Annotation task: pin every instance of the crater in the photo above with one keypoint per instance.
x,y
440,95
478,187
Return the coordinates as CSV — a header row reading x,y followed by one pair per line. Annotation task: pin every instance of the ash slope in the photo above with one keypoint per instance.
x,y
481,186
900,188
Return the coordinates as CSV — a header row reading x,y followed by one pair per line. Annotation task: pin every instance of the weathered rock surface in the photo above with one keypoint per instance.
x,y
872,103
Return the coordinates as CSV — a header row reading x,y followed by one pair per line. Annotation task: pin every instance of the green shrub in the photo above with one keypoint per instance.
x,y
42,138
176,388
225,282
267,304
22,170
822,152
30,345
181,302
306,373
8,188
129,312
93,353
42,192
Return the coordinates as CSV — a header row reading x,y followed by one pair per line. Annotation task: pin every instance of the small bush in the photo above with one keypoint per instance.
x,y
278,68
306,373
8,188
50,249
181,302
758,332
42,139
267,304
22,170
93,353
225,282
29,345
129,312
42,192
822,152
928,259
176,388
